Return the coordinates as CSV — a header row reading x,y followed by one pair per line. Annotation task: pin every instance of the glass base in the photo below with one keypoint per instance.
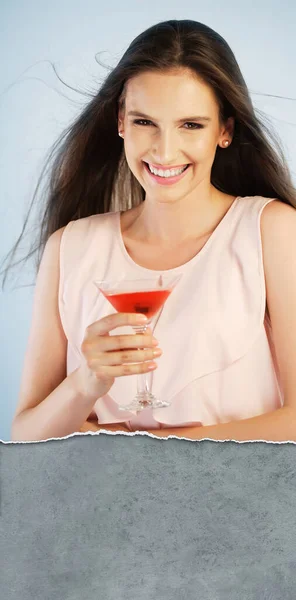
x,y
144,400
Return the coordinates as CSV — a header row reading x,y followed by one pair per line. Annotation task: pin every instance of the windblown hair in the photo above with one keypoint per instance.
x,y
89,172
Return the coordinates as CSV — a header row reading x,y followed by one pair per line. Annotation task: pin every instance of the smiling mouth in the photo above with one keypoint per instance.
x,y
166,172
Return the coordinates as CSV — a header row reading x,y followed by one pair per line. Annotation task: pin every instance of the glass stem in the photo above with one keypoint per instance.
x,y
143,384
143,379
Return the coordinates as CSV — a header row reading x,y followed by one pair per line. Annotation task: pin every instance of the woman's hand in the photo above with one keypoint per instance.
x,y
109,356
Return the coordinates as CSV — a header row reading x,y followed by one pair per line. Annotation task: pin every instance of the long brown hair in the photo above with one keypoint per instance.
x,y
89,172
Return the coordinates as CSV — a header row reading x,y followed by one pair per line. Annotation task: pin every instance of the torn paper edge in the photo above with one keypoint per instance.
x,y
142,433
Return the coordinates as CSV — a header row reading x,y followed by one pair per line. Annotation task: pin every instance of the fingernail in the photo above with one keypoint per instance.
x,y
157,352
141,318
155,342
152,366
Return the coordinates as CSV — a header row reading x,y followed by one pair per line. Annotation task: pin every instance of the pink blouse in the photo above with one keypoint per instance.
x,y
218,362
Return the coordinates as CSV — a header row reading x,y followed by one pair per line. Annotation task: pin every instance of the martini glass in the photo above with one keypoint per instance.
x,y
145,296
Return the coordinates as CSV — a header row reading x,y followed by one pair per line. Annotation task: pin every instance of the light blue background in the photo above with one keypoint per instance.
x,y
35,107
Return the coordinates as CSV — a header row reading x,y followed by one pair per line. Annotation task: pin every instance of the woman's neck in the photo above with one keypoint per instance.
x,y
165,223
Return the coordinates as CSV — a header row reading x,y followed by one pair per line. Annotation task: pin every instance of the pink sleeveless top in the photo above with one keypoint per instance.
x,y
218,362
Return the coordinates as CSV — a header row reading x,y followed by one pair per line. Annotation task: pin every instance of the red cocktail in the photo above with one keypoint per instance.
x,y
146,302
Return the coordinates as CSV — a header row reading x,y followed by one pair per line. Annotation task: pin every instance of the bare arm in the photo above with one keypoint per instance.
x,y
50,403
276,426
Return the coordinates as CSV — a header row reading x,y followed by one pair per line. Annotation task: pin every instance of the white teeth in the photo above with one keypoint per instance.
x,y
167,172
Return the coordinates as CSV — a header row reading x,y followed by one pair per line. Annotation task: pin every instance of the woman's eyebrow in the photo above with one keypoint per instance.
x,y
134,113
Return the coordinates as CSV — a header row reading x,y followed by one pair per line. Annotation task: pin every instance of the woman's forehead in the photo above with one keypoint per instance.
x,y
179,91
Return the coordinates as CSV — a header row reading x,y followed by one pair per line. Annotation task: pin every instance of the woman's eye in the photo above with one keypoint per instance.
x,y
141,122
194,126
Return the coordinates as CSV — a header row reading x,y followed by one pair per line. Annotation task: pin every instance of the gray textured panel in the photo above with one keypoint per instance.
x,y
135,518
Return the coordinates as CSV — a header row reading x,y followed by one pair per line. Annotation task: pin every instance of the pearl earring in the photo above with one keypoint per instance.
x,y
225,143
121,134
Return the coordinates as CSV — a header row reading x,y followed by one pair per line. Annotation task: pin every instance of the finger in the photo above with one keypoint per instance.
x,y
126,356
123,342
106,343
106,324
103,371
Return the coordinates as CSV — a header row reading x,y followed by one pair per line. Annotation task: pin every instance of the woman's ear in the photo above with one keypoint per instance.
x,y
229,127
120,120
120,126
226,134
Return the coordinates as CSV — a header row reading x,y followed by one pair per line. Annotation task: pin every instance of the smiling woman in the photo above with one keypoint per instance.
x,y
167,171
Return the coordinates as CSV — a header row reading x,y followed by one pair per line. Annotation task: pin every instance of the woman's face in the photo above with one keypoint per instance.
x,y
171,120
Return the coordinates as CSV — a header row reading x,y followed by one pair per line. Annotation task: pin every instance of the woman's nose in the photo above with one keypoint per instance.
x,y
164,148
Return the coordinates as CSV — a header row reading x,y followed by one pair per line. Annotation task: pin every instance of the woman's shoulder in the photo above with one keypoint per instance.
x,y
96,218
273,214
84,225
278,218
278,227
278,208
77,235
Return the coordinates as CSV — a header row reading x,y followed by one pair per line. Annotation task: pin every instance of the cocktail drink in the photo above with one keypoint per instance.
x,y
146,302
145,296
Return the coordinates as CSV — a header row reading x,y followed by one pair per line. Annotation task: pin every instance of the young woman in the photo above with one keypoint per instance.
x,y
167,170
